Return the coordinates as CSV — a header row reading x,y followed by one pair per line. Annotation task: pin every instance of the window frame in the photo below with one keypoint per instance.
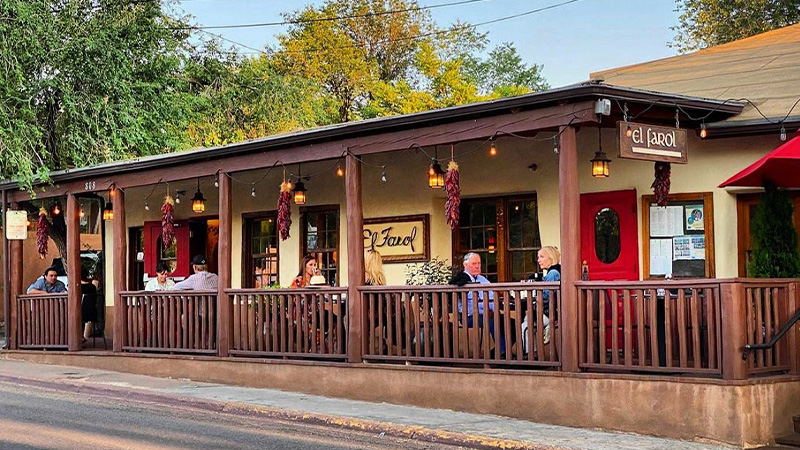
x,y
707,199
320,209
502,225
248,281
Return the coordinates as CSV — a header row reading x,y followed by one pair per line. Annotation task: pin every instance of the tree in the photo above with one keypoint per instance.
x,y
705,23
775,252
504,74
85,82
231,99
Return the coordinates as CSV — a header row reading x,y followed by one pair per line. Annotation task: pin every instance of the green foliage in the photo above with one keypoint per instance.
x,y
775,252
432,272
85,82
705,23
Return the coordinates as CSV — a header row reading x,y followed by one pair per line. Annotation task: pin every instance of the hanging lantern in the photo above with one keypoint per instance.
x,y
198,201
108,212
299,193
435,175
600,160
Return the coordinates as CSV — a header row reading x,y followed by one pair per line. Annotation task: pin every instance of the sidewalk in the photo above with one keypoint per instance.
x,y
481,431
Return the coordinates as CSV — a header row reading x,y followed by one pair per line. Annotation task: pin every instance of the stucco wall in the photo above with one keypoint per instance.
x,y
406,192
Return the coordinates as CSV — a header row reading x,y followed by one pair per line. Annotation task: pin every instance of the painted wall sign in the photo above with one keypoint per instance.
x,y
16,225
652,143
399,239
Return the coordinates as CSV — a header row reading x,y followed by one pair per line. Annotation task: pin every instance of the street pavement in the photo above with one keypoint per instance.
x,y
375,419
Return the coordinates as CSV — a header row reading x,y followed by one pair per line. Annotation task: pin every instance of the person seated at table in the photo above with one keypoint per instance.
x,y
47,284
201,279
373,269
88,304
307,270
549,260
161,282
472,275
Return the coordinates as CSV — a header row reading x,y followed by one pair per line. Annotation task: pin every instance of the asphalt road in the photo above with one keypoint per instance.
x,y
37,418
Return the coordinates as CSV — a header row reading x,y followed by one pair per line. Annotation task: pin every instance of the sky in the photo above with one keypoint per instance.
x,y
570,41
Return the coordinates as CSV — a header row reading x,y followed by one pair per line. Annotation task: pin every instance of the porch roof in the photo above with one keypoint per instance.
x,y
567,95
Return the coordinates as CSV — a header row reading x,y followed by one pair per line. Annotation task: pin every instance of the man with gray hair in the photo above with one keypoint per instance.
x,y
472,275
201,280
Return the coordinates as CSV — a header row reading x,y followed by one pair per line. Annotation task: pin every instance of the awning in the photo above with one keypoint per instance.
x,y
780,166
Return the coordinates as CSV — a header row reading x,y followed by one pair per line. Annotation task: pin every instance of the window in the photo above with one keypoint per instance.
x,y
261,250
678,240
606,235
505,256
746,206
321,238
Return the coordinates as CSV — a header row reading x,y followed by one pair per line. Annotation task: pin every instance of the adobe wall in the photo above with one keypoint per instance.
x,y
744,414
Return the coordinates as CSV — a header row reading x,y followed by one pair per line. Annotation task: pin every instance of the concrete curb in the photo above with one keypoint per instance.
x,y
243,409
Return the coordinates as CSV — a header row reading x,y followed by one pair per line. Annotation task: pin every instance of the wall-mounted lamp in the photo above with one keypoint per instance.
x,y
198,201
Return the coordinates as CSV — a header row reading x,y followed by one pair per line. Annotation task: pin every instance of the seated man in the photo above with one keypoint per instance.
x,y
201,280
472,275
48,284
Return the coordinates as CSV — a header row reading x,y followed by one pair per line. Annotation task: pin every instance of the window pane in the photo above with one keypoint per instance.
x,y
523,264
606,235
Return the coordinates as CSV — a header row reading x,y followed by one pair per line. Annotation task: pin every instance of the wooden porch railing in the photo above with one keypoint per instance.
x,y
431,324
290,323
769,304
170,321
41,321
663,327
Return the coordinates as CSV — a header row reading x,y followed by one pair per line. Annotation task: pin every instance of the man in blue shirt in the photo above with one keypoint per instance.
x,y
472,275
48,284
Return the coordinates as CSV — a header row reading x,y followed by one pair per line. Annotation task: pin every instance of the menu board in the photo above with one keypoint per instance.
x,y
677,240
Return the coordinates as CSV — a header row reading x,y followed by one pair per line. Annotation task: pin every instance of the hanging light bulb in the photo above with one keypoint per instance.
x,y
339,171
56,209
435,175
81,214
253,191
783,133
628,131
198,201
112,191
383,174
216,179
703,131
555,144
600,160
492,148
299,193
108,212
146,206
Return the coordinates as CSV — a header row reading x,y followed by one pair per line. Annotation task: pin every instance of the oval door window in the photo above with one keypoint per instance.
x,y
606,235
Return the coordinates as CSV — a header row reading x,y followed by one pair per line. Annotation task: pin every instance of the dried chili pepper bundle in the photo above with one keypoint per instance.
x,y
42,233
661,182
167,221
284,210
453,203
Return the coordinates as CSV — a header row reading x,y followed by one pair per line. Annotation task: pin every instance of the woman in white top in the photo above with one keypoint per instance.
x,y
160,282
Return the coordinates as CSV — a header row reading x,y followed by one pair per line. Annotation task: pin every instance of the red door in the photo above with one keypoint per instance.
x,y
609,235
609,246
177,255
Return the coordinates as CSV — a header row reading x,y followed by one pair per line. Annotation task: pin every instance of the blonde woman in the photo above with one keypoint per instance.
x,y
373,269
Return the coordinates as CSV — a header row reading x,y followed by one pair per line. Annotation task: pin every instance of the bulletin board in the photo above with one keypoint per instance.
x,y
678,239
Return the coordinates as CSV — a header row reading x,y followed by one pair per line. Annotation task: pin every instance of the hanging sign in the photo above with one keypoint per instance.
x,y
398,239
16,225
652,143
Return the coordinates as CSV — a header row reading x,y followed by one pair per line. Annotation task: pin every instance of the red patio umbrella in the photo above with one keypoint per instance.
x,y
780,166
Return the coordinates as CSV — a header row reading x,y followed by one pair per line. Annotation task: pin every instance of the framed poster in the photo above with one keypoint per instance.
x,y
399,239
694,218
16,225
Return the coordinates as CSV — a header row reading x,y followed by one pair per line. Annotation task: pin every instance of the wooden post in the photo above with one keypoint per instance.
x,y
793,336
224,307
569,215
73,258
355,258
6,265
15,288
733,308
120,269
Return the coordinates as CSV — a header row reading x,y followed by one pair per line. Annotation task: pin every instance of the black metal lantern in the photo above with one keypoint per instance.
x,y
198,201
435,175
